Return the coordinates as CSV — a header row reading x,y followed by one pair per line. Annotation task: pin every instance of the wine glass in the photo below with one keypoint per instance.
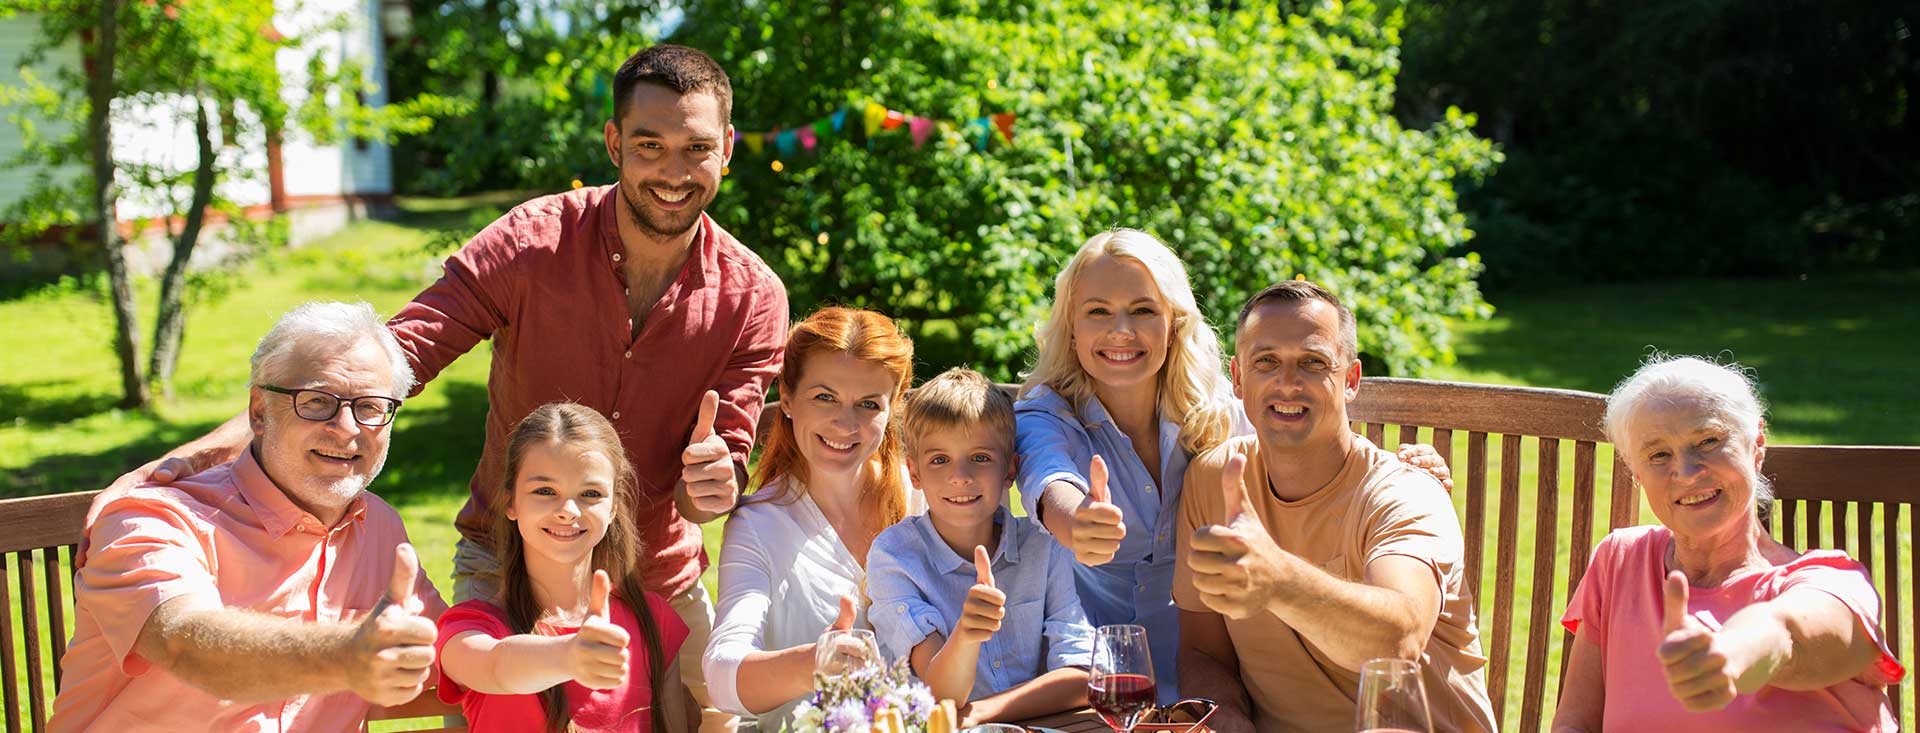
x,y
1393,699
845,651
1121,686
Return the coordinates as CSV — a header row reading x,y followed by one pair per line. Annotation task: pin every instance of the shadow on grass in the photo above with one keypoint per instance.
x,y
26,401
1824,349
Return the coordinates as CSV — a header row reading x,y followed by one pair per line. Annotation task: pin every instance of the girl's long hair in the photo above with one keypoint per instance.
x,y
1191,379
869,337
578,426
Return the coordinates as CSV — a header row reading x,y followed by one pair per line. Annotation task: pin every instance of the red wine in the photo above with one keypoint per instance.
x,y
1121,698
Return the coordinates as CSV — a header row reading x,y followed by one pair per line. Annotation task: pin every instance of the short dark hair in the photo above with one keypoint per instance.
x,y
682,69
1296,291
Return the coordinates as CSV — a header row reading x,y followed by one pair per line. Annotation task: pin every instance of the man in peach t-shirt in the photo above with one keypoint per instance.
x,y
1307,551
273,592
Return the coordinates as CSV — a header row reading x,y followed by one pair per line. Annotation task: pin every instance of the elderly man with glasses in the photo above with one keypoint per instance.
x,y
273,592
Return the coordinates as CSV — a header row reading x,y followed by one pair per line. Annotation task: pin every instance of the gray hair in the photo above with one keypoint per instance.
x,y
1728,390
344,324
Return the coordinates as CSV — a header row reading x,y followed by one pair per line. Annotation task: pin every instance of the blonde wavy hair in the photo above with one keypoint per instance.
x,y
1191,377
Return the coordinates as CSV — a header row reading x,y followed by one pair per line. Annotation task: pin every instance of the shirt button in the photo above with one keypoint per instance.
x,y
615,415
629,354
616,257
1149,488
903,608
996,664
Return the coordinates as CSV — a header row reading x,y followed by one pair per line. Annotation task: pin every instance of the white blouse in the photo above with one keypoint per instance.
x,y
783,570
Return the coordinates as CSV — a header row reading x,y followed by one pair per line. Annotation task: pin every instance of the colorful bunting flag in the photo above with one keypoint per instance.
x,y
893,120
787,142
839,119
874,118
919,128
807,140
756,143
1004,121
875,115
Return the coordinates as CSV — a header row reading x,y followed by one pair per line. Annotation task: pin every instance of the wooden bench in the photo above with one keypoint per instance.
x,y
1855,498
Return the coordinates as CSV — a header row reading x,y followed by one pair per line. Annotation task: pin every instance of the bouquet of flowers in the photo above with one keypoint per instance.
x,y
874,698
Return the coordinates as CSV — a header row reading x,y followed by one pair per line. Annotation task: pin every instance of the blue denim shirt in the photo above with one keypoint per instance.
x,y
1056,442
919,585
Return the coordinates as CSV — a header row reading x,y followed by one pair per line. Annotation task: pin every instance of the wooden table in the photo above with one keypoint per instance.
x,y
1084,720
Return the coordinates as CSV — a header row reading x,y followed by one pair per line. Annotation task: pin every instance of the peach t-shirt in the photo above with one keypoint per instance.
x,y
226,537
1374,507
1620,607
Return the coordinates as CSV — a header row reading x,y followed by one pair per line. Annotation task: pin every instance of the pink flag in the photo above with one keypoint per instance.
x,y
807,139
919,128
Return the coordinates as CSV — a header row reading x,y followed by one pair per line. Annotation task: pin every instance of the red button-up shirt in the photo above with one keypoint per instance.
x,y
546,282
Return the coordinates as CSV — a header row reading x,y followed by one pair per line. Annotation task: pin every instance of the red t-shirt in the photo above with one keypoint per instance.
x,y
625,709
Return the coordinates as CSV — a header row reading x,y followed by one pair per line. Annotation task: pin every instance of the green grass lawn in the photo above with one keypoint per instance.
x,y
1830,352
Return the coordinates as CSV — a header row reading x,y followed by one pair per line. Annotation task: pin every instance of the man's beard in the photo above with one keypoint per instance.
x,y
661,223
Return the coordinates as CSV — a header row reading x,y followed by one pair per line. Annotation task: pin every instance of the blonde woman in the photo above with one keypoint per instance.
x,y
1127,387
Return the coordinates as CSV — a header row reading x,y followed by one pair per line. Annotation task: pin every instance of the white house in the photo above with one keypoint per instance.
x,y
321,187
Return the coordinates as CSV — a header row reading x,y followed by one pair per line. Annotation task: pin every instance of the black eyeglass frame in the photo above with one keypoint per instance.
x,y
393,405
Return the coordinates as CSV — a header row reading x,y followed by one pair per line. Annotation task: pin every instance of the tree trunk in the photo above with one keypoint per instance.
x,y
168,331
100,91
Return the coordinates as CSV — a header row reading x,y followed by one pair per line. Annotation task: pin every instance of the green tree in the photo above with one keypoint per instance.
x,y
1260,145
208,64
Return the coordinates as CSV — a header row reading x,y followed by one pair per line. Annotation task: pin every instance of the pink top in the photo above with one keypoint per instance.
x,y
223,537
548,285
625,709
1620,607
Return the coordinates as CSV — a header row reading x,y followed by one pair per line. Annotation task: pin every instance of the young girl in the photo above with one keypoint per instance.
x,y
551,652
831,477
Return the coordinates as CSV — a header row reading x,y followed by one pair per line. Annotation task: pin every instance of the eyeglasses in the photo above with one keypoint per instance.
x,y
320,406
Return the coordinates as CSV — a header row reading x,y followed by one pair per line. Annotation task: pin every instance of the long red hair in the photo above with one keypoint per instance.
x,y
867,336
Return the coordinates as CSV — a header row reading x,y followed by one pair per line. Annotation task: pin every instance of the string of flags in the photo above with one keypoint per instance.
x,y
873,120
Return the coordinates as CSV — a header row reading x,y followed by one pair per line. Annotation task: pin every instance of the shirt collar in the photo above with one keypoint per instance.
x,y
944,557
705,238
273,509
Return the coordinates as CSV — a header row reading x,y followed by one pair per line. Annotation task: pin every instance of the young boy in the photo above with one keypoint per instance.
x,y
981,602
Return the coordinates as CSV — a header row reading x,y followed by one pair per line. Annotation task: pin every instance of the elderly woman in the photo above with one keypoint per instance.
x,y
1704,622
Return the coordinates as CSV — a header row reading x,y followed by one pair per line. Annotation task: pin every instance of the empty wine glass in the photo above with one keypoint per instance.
x,y
841,652
1121,685
1393,699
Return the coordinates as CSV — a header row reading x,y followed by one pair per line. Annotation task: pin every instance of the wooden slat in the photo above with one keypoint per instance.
x,y
1443,444
1913,614
1843,473
1558,413
425,705
1581,541
57,603
1838,525
1408,435
1504,561
31,639
1546,521
9,669
1624,509
1377,434
43,521
1814,540
1863,539
1890,593
1790,528
1476,509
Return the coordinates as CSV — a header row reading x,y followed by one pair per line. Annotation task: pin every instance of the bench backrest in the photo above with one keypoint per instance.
x,y
38,538
1494,436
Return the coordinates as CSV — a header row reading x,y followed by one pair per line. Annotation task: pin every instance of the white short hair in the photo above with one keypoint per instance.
x,y
1728,390
342,324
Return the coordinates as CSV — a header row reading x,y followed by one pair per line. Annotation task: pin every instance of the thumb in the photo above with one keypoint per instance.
x,y
982,566
1676,602
1097,481
1233,487
844,621
406,566
597,596
703,425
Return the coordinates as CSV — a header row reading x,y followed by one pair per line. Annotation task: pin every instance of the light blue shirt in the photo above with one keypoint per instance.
x,y
1057,443
919,586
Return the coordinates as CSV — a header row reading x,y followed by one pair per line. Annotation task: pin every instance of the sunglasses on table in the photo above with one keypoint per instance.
x,y
320,405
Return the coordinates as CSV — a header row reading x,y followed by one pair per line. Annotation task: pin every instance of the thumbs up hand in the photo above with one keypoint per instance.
x,y
985,605
1098,526
597,653
706,466
391,652
1707,668
1236,564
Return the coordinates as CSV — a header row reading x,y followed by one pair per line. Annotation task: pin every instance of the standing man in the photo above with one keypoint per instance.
x,y
626,298
1307,551
273,592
